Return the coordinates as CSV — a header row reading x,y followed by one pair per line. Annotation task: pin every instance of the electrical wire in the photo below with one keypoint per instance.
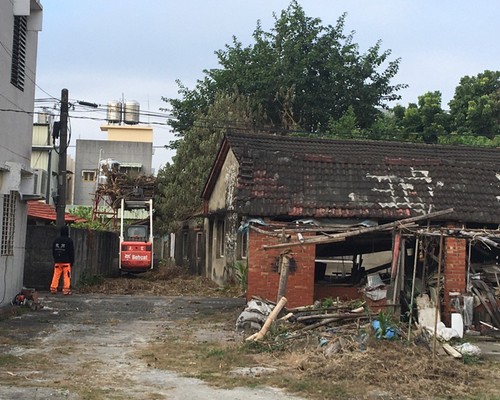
x,y
30,78
227,125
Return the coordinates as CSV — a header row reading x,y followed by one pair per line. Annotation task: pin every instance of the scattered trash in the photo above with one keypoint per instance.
x,y
468,349
28,298
375,289
254,315
385,332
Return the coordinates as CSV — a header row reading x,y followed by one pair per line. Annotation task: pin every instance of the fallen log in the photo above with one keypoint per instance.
x,y
304,318
334,319
274,314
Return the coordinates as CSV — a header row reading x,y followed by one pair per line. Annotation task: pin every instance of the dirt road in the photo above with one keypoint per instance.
x,y
88,347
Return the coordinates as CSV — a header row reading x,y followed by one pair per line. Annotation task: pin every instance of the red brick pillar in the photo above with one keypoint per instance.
x,y
263,266
455,273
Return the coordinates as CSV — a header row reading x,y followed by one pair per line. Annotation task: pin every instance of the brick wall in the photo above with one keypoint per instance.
x,y
263,276
455,272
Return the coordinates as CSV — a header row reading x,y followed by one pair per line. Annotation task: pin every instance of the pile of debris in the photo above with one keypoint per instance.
x,y
28,298
120,185
341,327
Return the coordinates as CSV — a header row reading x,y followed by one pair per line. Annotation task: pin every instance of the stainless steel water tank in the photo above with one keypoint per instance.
x,y
114,112
131,112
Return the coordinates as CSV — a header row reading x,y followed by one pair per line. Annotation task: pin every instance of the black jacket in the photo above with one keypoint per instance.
x,y
63,249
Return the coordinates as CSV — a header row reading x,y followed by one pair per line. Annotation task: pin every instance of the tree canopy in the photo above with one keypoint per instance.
x,y
475,108
300,75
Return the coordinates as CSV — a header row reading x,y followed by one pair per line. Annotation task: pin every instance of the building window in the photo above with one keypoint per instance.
x,y
18,68
184,245
199,245
8,224
88,175
221,234
244,245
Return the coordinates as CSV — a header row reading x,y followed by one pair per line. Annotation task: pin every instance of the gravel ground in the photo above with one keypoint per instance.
x,y
84,346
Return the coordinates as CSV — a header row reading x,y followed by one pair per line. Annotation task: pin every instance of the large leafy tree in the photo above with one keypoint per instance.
x,y
301,73
475,108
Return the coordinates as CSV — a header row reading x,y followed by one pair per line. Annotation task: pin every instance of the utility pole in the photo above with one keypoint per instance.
x,y
63,148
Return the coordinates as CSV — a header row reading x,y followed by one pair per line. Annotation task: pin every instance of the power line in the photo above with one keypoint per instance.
x,y
30,78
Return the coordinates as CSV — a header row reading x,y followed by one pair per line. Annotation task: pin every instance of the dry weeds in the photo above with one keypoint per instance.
x,y
165,280
208,348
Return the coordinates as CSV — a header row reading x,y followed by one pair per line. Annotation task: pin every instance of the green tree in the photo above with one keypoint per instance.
x,y
85,212
181,182
345,126
425,120
301,73
475,107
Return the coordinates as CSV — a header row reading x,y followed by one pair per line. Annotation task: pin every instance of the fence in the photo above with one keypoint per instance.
x,y
96,253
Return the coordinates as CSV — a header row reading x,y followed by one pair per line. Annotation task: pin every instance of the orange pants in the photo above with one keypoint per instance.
x,y
63,269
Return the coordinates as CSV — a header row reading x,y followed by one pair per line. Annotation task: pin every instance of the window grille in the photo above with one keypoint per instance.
x,y
8,224
18,68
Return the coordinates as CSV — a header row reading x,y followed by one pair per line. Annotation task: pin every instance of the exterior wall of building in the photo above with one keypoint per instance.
x,y
129,133
16,178
45,158
221,226
263,276
90,152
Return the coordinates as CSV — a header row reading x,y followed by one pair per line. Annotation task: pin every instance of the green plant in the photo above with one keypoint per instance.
x,y
327,303
385,319
240,270
470,359
86,214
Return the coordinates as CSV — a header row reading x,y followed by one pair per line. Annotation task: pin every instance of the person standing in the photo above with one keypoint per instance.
x,y
63,252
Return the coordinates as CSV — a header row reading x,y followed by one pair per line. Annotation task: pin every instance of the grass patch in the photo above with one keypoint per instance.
x,y
8,360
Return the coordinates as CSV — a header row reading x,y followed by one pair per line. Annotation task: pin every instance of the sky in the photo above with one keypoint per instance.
x,y
108,50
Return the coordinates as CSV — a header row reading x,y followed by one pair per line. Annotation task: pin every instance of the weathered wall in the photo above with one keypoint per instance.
x,y
16,130
96,253
263,276
221,207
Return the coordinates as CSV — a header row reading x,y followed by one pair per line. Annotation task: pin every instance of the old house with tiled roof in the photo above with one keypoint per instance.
x,y
266,190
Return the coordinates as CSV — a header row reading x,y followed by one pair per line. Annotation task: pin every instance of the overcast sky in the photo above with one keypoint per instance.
x,y
104,50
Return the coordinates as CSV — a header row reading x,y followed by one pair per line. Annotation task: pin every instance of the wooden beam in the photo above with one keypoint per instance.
x,y
343,235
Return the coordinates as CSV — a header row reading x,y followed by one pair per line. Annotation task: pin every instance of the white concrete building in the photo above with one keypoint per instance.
x,y
20,22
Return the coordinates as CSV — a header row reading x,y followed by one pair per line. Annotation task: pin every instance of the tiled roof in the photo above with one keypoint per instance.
x,y
314,177
42,211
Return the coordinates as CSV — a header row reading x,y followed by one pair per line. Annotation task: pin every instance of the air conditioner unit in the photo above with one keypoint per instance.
x,y
40,182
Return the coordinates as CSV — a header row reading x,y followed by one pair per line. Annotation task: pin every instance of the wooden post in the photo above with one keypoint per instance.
x,y
417,242
283,269
438,297
284,272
